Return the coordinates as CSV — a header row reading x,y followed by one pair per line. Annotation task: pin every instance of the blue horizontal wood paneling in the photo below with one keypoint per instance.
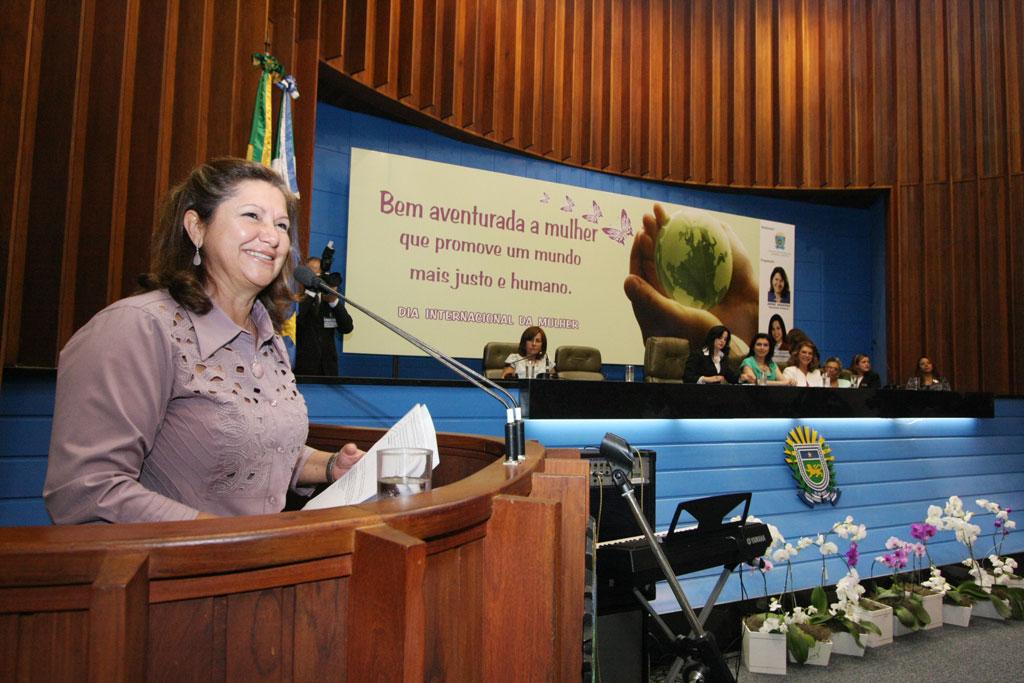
x,y
889,472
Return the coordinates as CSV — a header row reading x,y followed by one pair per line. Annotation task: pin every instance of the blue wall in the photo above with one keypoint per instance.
x,y
840,259
889,471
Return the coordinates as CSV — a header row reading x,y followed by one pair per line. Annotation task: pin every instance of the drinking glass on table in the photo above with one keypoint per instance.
x,y
403,471
914,383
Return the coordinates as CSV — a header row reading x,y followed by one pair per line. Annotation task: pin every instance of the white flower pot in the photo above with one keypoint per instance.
x,y
844,644
898,629
764,653
818,655
933,606
986,610
955,615
881,616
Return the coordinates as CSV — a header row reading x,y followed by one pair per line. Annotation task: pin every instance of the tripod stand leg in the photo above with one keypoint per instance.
x,y
703,644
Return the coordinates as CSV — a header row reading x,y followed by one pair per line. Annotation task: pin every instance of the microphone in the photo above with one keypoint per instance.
x,y
515,439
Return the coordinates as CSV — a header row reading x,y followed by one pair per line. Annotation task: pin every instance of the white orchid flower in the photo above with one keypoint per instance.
x,y
829,548
774,605
803,543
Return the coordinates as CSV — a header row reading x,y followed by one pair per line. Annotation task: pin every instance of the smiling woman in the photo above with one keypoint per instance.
x,y
179,402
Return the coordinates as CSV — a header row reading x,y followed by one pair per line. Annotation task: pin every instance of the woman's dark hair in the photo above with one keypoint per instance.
x,y
782,325
795,336
172,250
785,281
771,345
794,357
528,334
856,362
713,334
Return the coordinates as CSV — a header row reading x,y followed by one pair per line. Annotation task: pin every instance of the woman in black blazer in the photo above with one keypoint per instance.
x,y
709,365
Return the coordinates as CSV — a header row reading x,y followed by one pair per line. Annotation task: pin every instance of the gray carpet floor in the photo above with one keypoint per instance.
x,y
986,651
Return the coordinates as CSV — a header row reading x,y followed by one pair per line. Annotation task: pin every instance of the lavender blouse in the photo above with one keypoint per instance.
x,y
162,413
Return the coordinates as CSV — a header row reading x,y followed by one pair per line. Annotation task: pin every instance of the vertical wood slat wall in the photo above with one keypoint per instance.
x,y
106,104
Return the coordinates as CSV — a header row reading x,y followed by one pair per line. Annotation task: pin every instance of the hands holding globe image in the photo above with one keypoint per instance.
x,y
689,272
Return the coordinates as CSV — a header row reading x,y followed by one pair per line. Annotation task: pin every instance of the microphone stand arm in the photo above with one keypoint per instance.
x,y
515,439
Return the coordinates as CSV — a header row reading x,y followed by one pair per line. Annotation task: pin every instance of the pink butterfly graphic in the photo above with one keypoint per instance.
x,y
569,204
595,214
545,198
624,230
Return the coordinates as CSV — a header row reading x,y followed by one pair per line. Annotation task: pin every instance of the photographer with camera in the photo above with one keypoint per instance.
x,y
319,317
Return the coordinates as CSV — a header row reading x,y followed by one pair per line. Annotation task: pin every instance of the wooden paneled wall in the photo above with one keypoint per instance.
x,y
924,97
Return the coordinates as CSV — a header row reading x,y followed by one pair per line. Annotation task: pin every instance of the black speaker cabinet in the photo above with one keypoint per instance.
x,y
615,519
620,645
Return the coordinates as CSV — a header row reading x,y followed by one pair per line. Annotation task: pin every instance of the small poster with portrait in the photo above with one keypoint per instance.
x,y
777,269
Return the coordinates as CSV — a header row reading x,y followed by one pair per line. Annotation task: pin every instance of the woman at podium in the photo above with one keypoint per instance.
x,y
180,402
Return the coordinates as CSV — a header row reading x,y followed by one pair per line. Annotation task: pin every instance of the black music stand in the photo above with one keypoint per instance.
x,y
707,663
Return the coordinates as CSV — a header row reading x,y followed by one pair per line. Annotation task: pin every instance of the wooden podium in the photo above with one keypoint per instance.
x,y
480,579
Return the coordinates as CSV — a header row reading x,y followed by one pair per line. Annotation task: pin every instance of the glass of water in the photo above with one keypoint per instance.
x,y
403,471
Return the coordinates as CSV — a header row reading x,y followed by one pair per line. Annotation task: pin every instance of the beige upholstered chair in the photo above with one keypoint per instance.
x,y
578,362
495,354
665,359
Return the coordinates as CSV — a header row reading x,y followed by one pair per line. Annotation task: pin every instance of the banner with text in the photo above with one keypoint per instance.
x,y
461,257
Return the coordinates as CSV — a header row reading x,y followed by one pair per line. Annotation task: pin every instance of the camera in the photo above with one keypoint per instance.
x,y
326,262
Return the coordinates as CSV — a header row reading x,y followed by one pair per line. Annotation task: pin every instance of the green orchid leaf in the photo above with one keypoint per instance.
x,y
920,613
973,590
906,617
869,627
819,600
799,644
1001,606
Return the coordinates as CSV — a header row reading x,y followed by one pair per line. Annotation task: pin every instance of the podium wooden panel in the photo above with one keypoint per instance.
x,y
471,581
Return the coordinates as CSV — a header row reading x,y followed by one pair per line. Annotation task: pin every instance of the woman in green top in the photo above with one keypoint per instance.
x,y
758,366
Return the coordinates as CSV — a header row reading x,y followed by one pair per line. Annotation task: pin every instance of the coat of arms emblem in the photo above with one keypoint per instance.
x,y
810,458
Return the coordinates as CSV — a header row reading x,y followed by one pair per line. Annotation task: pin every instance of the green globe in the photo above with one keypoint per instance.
x,y
694,259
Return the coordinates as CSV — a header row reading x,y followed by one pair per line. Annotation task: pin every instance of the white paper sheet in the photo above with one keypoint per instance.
x,y
414,430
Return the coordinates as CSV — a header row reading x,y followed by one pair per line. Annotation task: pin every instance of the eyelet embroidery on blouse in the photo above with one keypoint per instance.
x,y
258,423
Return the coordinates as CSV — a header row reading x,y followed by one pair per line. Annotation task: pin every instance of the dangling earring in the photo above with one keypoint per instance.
x,y
197,260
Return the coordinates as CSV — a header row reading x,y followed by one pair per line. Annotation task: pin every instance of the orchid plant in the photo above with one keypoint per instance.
x,y
1001,527
901,595
841,615
986,585
774,620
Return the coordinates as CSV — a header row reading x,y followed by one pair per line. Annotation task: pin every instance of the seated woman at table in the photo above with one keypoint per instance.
x,y
709,366
860,373
532,359
758,365
830,376
927,377
777,333
802,370
180,403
